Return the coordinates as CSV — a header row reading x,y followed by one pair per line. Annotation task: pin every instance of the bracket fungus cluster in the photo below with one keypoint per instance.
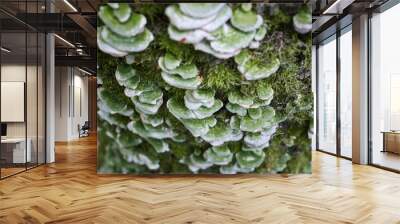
x,y
167,109
253,68
145,122
196,110
177,74
256,119
219,153
216,28
123,31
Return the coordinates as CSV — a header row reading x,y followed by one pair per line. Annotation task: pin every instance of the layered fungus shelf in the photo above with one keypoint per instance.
x,y
204,88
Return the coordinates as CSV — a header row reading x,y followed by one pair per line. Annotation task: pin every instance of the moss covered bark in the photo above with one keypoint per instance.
x,y
288,149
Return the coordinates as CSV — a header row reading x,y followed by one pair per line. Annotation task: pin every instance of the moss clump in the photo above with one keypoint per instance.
x,y
222,78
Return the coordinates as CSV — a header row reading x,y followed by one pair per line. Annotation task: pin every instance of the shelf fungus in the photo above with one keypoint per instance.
x,y
177,74
239,103
156,136
128,143
245,19
146,97
302,21
250,123
112,116
253,69
246,162
196,161
112,119
214,29
111,104
259,140
219,155
222,133
256,120
179,109
127,140
142,157
196,110
234,169
148,102
123,31
249,160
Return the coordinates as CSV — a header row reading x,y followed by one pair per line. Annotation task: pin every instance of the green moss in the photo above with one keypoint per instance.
x,y
150,11
181,150
276,157
278,19
222,78
180,50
